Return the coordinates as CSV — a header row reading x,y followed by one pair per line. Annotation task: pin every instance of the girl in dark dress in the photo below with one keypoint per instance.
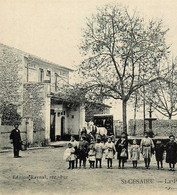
x,y
122,150
171,149
83,151
159,150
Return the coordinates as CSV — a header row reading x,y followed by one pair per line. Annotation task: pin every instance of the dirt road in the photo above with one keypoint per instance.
x,y
44,171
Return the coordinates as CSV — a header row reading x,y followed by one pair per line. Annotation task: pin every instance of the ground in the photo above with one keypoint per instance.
x,y
44,171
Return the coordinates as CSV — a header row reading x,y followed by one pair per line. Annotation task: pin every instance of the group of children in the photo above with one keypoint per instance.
x,y
80,151
93,151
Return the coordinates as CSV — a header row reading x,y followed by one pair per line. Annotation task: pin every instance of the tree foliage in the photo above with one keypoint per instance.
x,y
162,94
121,52
77,94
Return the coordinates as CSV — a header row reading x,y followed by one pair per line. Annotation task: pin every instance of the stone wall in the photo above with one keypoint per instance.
x,y
5,131
11,90
11,72
159,127
35,107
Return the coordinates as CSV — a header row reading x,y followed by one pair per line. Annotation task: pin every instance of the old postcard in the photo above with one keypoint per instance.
x,y
88,97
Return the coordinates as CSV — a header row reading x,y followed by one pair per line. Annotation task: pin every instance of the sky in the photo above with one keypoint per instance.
x,y
51,29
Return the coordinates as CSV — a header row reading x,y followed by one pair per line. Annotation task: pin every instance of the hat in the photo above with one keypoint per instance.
x,y
124,133
171,136
69,144
83,137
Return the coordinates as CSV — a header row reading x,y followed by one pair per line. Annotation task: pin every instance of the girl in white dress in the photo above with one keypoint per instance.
x,y
91,154
135,153
69,155
109,152
99,148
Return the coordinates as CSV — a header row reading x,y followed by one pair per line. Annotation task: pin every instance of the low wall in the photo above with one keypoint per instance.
x,y
159,127
5,131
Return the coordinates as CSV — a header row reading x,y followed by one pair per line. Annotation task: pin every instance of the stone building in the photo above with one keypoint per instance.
x,y
31,84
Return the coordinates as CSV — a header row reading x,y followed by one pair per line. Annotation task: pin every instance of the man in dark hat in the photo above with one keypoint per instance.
x,y
171,149
16,139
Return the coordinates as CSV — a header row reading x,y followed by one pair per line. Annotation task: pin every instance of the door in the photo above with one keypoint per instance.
x,y
62,126
52,125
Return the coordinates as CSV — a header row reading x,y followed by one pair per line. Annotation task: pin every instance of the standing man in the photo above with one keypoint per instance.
x,y
16,139
146,147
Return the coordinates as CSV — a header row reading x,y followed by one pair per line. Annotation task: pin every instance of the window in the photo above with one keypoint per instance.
x,y
41,75
48,74
63,113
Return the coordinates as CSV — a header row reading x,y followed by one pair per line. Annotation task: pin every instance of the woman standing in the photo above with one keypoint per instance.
x,y
122,150
146,147
171,149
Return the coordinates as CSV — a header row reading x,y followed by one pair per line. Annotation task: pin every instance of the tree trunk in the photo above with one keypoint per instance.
x,y
135,110
124,115
169,122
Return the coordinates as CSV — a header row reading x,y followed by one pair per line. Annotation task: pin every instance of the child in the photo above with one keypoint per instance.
x,y
135,153
110,150
91,154
159,150
99,147
75,144
69,155
83,151
171,149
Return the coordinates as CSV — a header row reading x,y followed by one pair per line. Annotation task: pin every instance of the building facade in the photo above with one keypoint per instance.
x,y
31,84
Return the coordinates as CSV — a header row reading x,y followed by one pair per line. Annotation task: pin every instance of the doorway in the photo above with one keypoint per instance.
x,y
62,126
52,125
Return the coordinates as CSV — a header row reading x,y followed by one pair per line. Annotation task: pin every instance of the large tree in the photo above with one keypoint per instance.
x,y
121,51
162,94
